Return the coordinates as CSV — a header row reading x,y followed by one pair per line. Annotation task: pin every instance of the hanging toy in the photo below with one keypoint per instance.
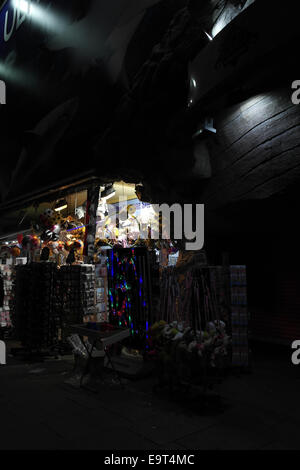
x,y
15,251
68,245
58,219
55,248
54,237
46,235
78,246
26,241
56,229
46,218
60,246
34,242
20,238
79,212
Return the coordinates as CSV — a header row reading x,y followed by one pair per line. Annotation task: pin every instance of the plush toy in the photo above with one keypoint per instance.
x,y
58,219
26,241
34,242
78,246
47,235
68,245
47,218
15,251
60,246
56,229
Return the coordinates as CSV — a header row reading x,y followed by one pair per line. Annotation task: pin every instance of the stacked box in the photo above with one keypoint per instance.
x,y
6,271
87,288
101,290
239,316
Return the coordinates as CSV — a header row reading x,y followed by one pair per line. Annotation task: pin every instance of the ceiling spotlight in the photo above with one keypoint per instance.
x,y
209,36
205,129
61,205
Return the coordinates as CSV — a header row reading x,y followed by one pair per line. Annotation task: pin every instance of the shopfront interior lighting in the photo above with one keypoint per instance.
x,y
61,205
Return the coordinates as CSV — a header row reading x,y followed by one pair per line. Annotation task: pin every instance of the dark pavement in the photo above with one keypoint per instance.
x,y
40,411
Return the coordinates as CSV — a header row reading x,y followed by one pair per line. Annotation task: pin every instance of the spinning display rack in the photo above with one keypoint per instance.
x,y
75,294
47,300
34,316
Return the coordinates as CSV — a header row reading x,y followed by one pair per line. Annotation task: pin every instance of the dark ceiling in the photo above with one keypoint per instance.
x,y
107,95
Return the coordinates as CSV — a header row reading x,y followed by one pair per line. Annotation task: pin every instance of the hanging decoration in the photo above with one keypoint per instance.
x,y
129,289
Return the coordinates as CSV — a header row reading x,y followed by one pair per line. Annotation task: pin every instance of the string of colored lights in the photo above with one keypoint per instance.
x,y
128,290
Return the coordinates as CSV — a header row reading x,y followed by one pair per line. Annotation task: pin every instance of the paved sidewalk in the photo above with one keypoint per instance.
x,y
39,411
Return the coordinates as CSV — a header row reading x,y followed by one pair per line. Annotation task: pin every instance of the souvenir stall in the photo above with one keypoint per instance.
x,y
86,254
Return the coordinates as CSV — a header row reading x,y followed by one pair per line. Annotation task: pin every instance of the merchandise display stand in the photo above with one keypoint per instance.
x,y
35,318
192,341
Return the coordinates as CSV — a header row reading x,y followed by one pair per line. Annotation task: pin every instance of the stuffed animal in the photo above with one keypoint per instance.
x,y
15,251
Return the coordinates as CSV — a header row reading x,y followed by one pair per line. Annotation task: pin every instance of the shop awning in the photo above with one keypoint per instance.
x,y
17,215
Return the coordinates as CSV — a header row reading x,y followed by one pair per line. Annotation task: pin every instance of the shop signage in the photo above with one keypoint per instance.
x,y
158,222
11,18
14,15
2,353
